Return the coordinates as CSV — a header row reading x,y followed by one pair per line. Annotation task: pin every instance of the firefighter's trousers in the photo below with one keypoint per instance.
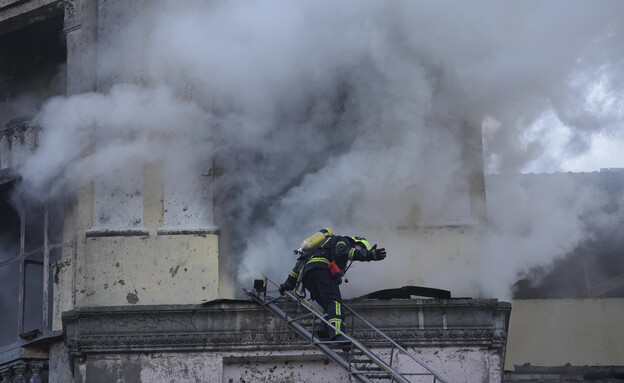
x,y
324,289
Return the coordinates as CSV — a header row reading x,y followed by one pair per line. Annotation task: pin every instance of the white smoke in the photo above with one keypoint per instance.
x,y
127,123
350,115
535,220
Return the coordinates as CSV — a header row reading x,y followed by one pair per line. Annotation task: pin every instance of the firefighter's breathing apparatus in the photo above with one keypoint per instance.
x,y
305,252
314,240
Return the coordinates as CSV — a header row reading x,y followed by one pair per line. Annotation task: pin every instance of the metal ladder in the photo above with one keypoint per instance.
x,y
353,355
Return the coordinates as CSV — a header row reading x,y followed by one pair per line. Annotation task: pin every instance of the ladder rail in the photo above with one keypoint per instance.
x,y
383,369
395,344
317,343
374,358
322,345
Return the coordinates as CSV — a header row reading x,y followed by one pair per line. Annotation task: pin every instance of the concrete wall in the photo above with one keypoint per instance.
x,y
459,365
554,332
162,269
143,264
235,341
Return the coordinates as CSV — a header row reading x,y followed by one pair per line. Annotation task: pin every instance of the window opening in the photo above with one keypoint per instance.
x,y
33,299
33,233
8,303
30,241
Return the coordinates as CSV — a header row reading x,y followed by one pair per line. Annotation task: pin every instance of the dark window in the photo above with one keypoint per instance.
x,y
8,303
30,241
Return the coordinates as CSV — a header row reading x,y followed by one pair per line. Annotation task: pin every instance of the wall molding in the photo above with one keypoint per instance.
x,y
230,325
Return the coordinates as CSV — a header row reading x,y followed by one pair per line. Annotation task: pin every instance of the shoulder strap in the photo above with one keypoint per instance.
x,y
305,257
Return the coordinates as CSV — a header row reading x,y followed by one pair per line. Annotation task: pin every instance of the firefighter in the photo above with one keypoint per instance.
x,y
323,269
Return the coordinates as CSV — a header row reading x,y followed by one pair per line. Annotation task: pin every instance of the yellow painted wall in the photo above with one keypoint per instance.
x,y
553,332
143,269
161,269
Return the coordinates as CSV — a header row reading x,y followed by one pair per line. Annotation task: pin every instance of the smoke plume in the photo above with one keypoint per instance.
x,y
351,115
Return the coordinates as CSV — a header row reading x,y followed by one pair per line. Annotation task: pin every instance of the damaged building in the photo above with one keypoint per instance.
x,y
128,278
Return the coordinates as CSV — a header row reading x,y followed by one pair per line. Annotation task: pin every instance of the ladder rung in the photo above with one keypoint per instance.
x,y
360,361
299,317
334,342
373,373
371,370
272,300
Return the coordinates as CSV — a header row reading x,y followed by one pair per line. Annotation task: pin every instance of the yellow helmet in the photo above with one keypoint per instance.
x,y
361,241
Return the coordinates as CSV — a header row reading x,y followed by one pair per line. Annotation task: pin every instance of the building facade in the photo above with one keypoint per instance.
x,y
125,277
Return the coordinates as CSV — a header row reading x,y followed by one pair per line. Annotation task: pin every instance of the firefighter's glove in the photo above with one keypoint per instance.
x,y
376,254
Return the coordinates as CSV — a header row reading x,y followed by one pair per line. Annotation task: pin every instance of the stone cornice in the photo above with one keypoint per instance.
x,y
16,14
243,325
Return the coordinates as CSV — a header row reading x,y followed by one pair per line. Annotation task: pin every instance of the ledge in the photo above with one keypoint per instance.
x,y
181,230
144,232
230,325
527,372
33,348
140,232
16,14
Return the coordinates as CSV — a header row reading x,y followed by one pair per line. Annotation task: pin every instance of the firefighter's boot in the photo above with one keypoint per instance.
x,y
322,332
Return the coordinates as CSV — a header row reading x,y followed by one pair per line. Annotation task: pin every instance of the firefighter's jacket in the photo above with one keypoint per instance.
x,y
336,248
